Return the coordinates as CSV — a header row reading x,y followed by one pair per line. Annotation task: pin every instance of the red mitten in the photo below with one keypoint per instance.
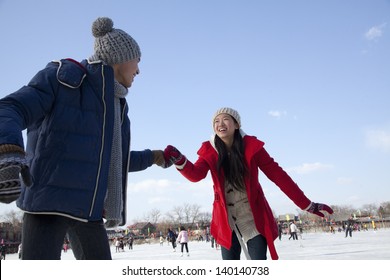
x,y
316,208
173,155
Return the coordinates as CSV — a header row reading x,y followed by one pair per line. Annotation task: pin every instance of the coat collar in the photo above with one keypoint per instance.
x,y
212,140
252,145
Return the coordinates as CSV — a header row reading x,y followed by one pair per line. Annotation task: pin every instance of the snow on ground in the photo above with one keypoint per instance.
x,y
364,245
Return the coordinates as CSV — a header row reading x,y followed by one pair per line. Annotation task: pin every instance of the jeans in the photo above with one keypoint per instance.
x,y
257,248
43,237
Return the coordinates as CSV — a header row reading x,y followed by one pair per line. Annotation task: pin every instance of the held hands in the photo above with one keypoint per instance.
x,y
159,159
315,208
13,172
169,156
174,156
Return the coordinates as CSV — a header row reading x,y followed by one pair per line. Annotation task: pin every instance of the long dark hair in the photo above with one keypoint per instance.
x,y
233,163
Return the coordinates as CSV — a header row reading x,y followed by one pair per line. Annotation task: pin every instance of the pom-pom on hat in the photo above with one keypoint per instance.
x,y
231,112
112,45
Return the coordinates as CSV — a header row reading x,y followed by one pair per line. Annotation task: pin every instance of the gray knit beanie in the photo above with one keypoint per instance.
x,y
112,45
230,112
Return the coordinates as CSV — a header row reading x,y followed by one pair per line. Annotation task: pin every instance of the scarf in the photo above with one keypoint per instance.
x,y
113,204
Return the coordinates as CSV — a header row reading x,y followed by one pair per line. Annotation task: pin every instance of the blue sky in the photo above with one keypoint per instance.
x,y
309,78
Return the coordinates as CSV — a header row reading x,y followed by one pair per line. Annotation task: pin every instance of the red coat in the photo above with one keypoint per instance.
x,y
256,158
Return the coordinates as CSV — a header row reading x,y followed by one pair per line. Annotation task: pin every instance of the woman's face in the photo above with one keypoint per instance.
x,y
224,127
125,72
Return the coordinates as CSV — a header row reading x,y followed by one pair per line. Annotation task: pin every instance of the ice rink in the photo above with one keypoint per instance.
x,y
313,256
363,245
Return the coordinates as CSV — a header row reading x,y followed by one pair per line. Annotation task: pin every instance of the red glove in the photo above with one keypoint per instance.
x,y
173,155
315,208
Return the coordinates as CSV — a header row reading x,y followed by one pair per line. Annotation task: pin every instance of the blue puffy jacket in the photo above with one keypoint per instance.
x,y
68,109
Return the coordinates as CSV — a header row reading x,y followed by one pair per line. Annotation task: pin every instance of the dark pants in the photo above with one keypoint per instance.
x,y
173,243
257,248
294,236
184,245
43,237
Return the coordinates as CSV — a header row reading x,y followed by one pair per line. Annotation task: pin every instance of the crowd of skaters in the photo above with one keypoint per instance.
x,y
173,237
291,229
347,227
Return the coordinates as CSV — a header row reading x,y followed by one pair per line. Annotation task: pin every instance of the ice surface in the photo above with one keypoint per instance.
x,y
363,245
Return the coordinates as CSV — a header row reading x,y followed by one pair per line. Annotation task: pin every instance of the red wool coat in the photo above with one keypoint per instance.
x,y
256,158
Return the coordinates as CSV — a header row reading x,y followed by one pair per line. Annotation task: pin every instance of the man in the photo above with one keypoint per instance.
x,y
74,169
293,231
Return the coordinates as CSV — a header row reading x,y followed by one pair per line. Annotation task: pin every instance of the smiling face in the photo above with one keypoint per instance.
x,y
125,72
224,127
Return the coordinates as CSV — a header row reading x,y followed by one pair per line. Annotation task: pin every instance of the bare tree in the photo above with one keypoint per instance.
x,y
195,213
186,214
13,217
163,226
369,209
343,212
204,219
153,216
177,214
170,218
384,209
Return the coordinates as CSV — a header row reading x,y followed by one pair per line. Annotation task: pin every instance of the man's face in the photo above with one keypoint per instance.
x,y
125,72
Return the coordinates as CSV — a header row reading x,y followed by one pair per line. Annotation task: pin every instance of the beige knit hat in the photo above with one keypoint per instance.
x,y
231,112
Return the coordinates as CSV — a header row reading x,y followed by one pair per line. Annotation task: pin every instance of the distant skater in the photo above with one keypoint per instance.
x,y
182,238
130,242
172,238
280,230
161,240
293,231
348,229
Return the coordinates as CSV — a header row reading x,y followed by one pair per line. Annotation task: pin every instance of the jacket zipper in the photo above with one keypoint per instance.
x,y
126,173
103,139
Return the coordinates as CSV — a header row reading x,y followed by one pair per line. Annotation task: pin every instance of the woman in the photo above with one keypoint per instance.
x,y
182,238
241,217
